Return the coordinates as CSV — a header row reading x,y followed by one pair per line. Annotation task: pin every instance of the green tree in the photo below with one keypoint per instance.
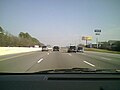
x,y
23,39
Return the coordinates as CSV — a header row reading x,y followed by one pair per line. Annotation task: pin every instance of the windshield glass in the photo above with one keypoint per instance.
x,y
44,46
72,47
56,47
80,48
40,35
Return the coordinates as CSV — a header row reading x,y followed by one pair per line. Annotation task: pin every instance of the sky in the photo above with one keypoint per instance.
x,y
62,22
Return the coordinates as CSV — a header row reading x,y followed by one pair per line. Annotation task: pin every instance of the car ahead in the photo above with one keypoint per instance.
x,y
80,49
44,48
72,49
56,48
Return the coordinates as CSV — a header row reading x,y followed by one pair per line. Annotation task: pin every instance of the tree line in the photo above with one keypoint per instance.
x,y
22,40
113,45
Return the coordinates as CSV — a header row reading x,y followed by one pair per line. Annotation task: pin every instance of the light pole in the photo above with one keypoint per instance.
x,y
97,33
86,42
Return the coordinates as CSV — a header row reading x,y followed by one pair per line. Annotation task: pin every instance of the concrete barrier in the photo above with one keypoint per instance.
x,y
14,50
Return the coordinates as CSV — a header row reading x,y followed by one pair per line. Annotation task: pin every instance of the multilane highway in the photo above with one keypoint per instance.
x,y
39,61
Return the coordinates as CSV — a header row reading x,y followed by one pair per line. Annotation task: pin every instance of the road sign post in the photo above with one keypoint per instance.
x,y
97,33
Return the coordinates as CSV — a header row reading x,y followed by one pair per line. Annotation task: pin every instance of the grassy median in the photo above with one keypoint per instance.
x,y
101,50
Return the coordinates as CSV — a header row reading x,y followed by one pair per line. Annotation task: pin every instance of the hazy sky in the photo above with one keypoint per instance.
x,y
61,22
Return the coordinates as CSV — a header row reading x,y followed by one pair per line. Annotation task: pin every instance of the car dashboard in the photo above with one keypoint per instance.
x,y
50,81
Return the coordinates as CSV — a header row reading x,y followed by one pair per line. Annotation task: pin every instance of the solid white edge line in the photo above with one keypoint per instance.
x,y
89,63
40,60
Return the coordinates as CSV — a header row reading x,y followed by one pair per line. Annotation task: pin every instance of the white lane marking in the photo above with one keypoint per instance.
x,y
47,53
69,54
105,58
40,60
89,63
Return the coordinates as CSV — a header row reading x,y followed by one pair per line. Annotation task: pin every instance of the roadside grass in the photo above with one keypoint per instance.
x,y
101,50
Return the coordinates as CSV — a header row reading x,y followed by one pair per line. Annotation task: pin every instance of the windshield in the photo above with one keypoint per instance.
x,y
40,35
56,47
44,46
80,47
72,47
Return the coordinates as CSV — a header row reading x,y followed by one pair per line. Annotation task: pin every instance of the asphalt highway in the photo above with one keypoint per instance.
x,y
39,61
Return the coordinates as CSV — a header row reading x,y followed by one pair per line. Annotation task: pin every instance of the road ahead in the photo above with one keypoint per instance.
x,y
37,61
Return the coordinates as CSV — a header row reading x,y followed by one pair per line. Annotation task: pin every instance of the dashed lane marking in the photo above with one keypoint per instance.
x,y
69,54
89,63
40,60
